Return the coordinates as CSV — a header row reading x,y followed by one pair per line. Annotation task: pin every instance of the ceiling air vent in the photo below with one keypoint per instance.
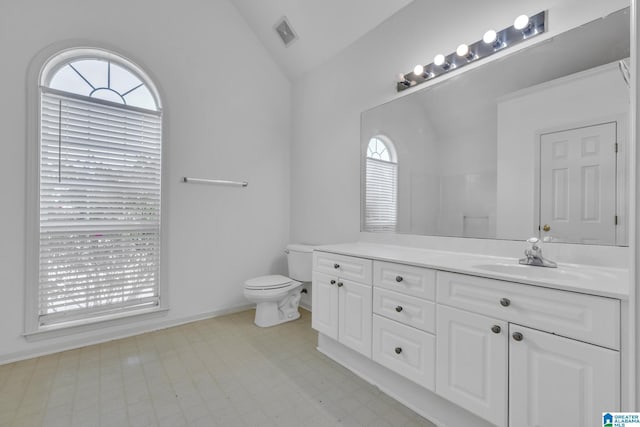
x,y
284,30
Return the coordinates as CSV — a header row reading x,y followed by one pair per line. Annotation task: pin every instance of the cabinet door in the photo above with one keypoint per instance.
x,y
556,381
471,362
324,304
354,325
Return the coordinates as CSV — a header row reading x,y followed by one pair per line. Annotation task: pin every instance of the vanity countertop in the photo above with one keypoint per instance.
x,y
602,281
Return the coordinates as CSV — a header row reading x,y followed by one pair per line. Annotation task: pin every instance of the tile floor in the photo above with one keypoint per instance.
x,y
217,372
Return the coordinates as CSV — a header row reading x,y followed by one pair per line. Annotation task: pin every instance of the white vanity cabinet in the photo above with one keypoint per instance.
x,y
512,354
342,298
494,336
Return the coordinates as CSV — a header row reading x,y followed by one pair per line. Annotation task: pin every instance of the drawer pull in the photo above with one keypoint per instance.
x,y
333,282
399,279
517,336
496,329
340,284
505,302
398,350
399,308
336,266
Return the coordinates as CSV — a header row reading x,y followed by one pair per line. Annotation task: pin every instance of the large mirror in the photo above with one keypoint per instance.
x,y
534,143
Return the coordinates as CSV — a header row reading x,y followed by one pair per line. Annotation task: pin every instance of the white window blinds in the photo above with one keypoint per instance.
x,y
380,195
100,176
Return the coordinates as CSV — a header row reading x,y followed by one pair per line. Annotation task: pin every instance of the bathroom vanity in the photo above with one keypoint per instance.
x,y
513,345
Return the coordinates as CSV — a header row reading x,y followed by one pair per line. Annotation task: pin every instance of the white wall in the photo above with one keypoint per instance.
x,y
328,101
227,115
467,203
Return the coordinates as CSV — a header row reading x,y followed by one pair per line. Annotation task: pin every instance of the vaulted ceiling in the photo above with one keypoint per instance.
x,y
324,27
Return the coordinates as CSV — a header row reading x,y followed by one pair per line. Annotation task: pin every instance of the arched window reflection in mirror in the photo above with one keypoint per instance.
x,y
381,186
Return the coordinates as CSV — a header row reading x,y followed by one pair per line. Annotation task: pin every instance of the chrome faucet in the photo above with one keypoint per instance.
x,y
533,255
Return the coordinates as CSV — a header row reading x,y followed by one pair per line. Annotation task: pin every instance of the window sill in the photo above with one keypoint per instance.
x,y
97,323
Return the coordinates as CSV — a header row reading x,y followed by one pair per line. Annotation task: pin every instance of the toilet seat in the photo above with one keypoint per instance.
x,y
275,281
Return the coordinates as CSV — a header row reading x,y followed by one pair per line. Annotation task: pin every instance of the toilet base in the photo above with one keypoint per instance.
x,y
268,314
271,311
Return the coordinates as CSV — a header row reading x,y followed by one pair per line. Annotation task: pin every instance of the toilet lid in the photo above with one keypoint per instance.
x,y
268,282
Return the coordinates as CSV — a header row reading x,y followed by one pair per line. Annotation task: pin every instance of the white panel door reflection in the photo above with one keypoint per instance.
x,y
578,185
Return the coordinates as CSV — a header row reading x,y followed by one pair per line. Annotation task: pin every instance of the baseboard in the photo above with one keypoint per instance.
x,y
305,306
125,333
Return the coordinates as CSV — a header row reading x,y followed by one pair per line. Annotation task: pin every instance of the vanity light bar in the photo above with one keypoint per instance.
x,y
524,28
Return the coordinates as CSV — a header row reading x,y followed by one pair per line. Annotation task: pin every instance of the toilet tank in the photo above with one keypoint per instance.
x,y
300,257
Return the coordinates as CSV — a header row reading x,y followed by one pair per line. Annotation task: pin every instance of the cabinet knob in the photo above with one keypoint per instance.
x,y
505,302
398,350
496,329
399,279
336,266
399,308
517,336
333,282
340,284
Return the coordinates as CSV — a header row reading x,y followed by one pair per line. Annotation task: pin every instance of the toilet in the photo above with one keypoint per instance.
x,y
276,296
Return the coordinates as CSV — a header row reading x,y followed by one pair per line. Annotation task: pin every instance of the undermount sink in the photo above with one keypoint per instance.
x,y
531,272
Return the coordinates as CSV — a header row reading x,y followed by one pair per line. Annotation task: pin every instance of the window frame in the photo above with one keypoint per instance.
x,y
40,70
393,155
389,146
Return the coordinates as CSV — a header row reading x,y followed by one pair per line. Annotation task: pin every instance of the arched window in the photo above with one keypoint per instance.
x,y
102,78
381,182
100,169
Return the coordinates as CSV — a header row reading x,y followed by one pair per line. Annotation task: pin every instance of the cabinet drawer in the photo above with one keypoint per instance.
x,y
583,317
405,350
405,309
416,281
346,267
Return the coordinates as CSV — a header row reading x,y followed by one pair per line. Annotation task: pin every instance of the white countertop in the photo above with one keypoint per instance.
x,y
602,281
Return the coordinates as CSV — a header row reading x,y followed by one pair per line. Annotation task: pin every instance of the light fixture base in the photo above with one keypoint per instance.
x,y
504,39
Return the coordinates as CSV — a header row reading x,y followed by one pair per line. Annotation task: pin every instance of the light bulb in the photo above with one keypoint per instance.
x,y
462,50
418,70
490,37
521,22
438,59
